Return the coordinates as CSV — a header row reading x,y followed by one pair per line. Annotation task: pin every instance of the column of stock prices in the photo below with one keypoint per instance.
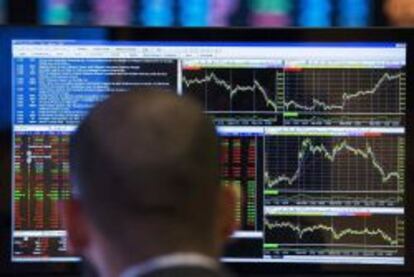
x,y
41,183
312,139
238,170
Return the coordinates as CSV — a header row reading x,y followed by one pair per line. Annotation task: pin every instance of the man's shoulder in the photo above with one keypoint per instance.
x,y
181,271
178,265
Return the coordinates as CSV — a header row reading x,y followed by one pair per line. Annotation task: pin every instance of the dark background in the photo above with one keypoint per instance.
x,y
270,13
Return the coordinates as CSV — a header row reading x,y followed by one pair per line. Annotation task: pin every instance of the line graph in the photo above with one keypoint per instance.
x,y
375,232
345,90
233,90
336,235
334,164
226,91
308,147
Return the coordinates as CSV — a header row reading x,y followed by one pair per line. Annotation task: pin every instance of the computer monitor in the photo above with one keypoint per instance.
x,y
314,131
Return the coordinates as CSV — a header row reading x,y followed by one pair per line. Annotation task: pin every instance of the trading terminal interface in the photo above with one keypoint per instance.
x,y
312,138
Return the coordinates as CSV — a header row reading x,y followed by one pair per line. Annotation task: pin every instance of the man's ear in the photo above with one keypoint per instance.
x,y
76,225
227,214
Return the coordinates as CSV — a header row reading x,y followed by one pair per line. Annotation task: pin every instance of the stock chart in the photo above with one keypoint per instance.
x,y
333,145
303,96
345,96
311,139
343,90
335,235
329,170
232,94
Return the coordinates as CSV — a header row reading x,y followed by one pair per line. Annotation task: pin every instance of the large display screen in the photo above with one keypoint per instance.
x,y
312,138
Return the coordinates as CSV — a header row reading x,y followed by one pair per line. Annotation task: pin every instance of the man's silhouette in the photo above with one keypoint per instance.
x,y
147,199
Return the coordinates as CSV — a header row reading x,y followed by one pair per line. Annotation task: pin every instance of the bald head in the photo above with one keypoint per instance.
x,y
147,158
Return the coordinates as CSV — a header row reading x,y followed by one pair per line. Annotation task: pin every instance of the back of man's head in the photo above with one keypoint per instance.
x,y
144,166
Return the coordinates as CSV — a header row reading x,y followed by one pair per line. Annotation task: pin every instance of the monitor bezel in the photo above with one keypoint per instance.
x,y
405,35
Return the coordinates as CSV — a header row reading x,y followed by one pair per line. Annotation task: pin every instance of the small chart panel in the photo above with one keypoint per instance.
x,y
344,96
367,235
234,95
342,170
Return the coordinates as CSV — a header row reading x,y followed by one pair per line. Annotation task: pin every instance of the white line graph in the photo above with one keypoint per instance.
x,y
335,234
234,89
344,93
307,146
333,164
